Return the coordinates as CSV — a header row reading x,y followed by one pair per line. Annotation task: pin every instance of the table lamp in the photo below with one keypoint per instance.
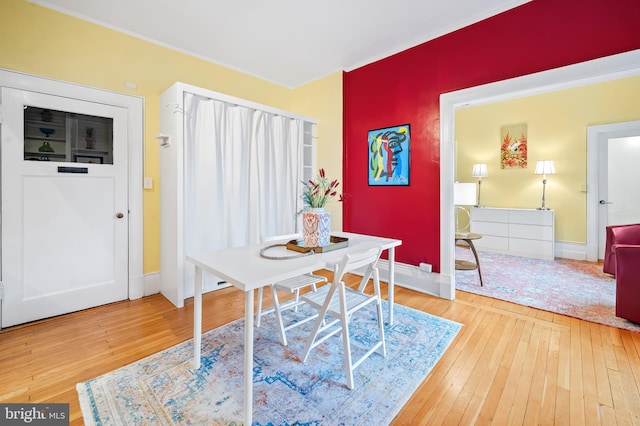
x,y
544,168
479,171
464,194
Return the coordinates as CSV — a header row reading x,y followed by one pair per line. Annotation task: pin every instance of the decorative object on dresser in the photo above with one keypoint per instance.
x,y
464,194
479,171
518,232
544,168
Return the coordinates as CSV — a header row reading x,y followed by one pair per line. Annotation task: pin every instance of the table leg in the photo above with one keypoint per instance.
x,y
248,357
197,317
392,281
475,254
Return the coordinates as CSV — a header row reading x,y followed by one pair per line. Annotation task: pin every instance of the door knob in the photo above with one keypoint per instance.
x,y
605,202
119,215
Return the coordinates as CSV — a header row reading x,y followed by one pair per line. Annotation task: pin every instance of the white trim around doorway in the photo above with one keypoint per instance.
x,y
590,72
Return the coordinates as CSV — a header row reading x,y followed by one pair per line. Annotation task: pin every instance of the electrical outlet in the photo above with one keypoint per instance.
x,y
425,267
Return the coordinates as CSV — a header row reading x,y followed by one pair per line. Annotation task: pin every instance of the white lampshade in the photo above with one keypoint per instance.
x,y
480,170
464,194
545,167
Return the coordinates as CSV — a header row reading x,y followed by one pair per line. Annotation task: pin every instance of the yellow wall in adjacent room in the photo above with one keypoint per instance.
x,y
557,130
39,41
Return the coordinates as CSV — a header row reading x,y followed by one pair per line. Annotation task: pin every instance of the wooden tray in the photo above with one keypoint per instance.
x,y
335,243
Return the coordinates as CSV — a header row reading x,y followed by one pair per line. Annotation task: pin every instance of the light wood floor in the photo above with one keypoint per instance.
x,y
509,365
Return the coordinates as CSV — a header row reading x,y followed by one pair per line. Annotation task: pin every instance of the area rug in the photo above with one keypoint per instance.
x,y
164,389
570,287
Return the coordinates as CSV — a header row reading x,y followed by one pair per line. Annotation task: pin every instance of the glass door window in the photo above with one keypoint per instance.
x,y
51,135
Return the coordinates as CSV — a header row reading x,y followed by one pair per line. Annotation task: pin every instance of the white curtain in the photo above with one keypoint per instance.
x,y
243,169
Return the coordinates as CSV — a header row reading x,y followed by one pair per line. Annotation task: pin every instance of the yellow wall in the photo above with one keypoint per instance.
x,y
322,99
42,42
557,130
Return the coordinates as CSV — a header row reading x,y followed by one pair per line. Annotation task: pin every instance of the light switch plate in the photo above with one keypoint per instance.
x,y
148,183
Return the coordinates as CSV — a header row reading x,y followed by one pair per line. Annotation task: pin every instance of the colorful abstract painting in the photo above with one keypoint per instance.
x,y
389,156
513,150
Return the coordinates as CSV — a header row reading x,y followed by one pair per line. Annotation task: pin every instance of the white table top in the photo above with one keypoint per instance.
x,y
244,268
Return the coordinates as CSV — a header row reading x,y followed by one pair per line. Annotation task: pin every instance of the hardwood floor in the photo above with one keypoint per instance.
x,y
509,365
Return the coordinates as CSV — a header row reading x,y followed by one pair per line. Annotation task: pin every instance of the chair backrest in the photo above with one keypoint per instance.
x,y
350,262
287,237
624,234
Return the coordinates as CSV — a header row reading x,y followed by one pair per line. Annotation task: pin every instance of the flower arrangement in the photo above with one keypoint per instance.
x,y
317,193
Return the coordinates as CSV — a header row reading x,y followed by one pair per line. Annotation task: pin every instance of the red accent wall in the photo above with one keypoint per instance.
x,y
405,88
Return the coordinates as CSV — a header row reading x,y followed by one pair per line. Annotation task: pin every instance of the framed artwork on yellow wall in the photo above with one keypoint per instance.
x,y
513,148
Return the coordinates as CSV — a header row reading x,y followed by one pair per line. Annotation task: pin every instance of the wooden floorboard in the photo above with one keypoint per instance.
x,y
509,365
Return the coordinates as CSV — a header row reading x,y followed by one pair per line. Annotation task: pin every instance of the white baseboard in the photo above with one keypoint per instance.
x,y
413,278
571,251
151,283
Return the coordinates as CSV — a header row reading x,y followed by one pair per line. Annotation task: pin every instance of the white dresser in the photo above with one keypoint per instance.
x,y
519,232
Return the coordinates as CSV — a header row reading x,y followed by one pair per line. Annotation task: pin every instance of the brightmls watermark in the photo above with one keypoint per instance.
x,y
34,414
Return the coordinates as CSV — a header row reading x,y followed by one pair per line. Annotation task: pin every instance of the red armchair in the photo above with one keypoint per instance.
x,y
628,282
616,235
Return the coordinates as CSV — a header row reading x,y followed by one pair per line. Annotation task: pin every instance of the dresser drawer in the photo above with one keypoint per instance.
x,y
531,217
531,248
532,232
491,243
489,215
490,228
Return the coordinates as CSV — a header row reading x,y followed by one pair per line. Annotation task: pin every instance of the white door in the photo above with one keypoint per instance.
x,y
618,183
64,219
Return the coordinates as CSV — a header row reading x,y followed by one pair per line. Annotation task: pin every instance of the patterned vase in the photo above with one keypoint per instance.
x,y
316,228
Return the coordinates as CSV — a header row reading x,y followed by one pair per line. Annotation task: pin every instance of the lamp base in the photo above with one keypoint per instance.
x,y
478,206
543,208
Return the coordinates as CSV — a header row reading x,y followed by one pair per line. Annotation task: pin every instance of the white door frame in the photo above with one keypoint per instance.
x,y
135,111
598,70
597,135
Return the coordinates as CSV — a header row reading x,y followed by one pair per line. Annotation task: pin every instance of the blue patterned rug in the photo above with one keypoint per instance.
x,y
163,389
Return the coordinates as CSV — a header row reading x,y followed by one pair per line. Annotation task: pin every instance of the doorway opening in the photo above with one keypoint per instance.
x,y
598,70
598,197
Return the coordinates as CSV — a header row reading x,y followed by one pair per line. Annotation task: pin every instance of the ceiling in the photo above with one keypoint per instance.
x,y
288,42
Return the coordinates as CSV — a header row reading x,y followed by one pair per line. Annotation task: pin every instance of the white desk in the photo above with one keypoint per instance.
x,y
244,268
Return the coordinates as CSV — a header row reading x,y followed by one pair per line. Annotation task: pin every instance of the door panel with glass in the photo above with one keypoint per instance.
x,y
64,205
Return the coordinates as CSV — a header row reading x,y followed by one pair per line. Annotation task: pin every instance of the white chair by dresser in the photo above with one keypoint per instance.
x,y
341,302
291,285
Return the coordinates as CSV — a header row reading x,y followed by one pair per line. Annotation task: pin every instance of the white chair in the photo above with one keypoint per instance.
x,y
341,302
291,285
